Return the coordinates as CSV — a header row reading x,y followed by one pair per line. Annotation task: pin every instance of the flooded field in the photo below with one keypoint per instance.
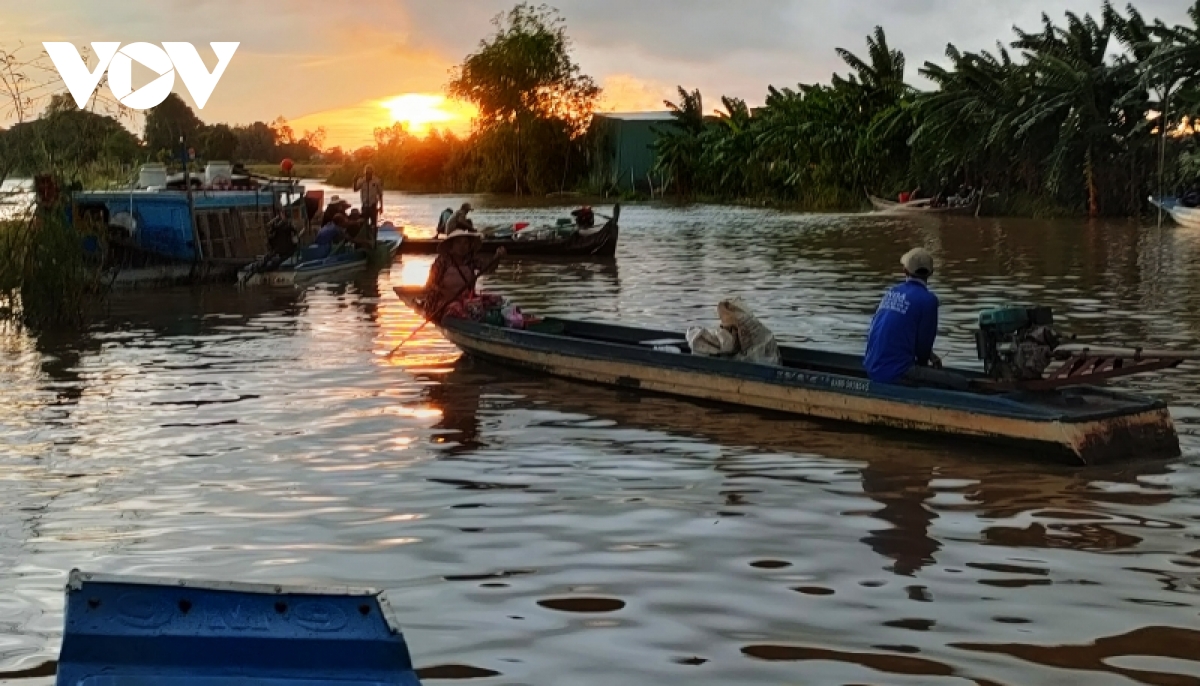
x,y
534,531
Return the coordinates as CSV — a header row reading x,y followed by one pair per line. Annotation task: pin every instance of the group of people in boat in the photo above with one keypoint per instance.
x,y
341,225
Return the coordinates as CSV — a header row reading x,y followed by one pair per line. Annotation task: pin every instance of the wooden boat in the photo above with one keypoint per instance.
x,y
597,242
306,267
1086,424
1184,216
139,630
922,206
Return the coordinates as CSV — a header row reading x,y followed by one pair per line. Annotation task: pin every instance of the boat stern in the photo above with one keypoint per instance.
x,y
1149,434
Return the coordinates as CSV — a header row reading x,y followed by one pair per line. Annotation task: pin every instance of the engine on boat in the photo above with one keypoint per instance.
x,y
1016,342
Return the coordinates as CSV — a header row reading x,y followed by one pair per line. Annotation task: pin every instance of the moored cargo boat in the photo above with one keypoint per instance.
x,y
1083,423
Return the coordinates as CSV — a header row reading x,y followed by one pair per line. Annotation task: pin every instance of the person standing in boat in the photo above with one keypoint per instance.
x,y
370,190
900,343
451,282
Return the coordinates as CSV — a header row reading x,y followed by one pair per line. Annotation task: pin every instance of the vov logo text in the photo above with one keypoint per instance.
x,y
118,61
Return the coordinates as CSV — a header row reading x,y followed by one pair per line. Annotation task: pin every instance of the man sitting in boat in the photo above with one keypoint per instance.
x,y
900,343
1191,199
450,289
338,228
459,221
585,218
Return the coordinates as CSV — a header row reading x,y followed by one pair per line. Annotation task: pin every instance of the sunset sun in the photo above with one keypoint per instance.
x,y
421,112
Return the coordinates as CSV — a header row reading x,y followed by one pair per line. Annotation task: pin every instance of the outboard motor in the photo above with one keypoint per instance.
x,y
1016,342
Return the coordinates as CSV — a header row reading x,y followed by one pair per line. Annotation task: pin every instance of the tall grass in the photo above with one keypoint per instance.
x,y
46,279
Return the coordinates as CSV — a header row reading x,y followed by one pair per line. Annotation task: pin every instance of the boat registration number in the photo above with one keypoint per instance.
x,y
813,379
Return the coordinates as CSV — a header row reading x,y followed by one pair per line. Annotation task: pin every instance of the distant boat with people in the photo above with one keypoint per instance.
x,y
568,238
952,205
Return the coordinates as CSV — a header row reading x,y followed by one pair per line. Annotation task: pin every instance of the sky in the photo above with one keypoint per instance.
x,y
354,66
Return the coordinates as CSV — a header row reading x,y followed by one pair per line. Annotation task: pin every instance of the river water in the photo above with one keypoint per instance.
x,y
533,531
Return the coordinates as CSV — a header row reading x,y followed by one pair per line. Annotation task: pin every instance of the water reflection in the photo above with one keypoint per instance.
x,y
539,531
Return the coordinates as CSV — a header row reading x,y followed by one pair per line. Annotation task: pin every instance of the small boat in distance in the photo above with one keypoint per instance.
x,y
1188,217
1050,419
922,206
556,241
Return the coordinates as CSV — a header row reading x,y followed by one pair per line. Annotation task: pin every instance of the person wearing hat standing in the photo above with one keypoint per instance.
x,y
370,190
900,343
453,274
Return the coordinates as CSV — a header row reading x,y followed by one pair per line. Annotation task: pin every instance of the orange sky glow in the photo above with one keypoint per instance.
x,y
353,127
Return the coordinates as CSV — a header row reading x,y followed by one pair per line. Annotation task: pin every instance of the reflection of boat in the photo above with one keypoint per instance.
x,y
1092,424
922,206
1183,216
135,630
308,265
896,470
593,242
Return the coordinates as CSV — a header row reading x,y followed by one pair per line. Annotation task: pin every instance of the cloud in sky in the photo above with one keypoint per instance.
x,y
304,57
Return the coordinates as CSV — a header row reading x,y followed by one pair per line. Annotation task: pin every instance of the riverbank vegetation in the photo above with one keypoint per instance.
x,y
1066,119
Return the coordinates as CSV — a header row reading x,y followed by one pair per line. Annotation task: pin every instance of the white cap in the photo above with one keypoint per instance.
x,y
917,260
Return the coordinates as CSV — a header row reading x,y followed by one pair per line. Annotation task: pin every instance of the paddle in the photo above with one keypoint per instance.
x,y
437,315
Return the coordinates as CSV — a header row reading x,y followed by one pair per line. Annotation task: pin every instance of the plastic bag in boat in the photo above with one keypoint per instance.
x,y
513,317
755,342
711,342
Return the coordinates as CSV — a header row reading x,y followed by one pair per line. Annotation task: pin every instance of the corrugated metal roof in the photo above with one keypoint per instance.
x,y
636,116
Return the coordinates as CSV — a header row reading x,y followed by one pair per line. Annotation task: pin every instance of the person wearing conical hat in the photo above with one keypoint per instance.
x,y
453,274
900,343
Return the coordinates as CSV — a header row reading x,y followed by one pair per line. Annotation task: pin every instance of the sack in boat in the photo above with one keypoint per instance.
x,y
711,342
755,342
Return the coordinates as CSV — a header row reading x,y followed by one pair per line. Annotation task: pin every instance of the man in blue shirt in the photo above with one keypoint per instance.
x,y
900,344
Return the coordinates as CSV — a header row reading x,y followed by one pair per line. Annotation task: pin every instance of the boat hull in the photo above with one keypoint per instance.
x,y
890,207
1140,428
329,268
601,243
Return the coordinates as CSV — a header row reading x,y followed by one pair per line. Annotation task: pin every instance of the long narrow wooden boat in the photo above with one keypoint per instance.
x,y
1087,424
598,242
921,207
306,268
143,630
1184,216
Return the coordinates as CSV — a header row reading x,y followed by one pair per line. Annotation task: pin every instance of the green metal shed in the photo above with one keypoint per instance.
x,y
623,149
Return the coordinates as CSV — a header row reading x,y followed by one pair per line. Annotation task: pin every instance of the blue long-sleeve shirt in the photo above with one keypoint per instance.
x,y
902,332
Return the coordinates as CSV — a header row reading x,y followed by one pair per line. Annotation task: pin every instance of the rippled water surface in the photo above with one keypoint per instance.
x,y
534,531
